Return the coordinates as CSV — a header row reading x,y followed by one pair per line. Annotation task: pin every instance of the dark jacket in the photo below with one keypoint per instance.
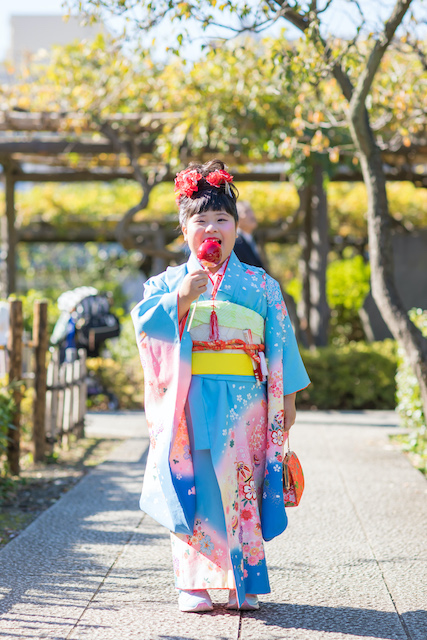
x,y
246,252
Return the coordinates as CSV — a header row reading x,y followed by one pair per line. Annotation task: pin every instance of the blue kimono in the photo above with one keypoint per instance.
x,y
214,471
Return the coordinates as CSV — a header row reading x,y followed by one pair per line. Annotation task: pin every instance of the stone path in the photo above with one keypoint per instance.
x,y
352,564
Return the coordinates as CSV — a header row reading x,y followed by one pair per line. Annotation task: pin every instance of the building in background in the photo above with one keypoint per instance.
x,y
30,34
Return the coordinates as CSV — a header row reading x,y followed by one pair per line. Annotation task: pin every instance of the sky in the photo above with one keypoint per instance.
x,y
339,20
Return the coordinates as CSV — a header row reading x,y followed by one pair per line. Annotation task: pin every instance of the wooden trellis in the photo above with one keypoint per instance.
x,y
124,146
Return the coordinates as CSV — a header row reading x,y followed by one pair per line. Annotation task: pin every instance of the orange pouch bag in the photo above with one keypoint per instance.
x,y
293,479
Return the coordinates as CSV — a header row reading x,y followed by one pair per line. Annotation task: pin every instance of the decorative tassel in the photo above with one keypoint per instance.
x,y
214,330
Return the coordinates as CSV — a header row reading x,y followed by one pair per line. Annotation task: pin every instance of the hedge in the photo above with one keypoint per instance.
x,y
409,405
355,376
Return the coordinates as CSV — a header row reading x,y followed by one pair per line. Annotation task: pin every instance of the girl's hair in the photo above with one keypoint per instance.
x,y
207,196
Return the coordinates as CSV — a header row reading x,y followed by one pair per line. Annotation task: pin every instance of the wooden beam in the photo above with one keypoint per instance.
x,y
143,233
58,121
62,145
393,175
75,176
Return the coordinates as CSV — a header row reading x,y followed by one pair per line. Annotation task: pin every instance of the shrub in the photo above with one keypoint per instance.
x,y
347,287
409,404
347,284
355,376
7,407
119,371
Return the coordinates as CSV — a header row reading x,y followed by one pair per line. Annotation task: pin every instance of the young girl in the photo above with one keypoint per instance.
x,y
222,369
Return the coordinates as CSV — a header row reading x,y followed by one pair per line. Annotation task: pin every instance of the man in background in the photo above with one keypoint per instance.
x,y
247,251
245,247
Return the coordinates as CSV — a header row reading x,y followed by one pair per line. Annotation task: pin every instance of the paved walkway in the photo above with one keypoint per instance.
x,y
351,565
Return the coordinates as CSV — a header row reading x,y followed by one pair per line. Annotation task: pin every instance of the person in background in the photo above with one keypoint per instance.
x,y
245,247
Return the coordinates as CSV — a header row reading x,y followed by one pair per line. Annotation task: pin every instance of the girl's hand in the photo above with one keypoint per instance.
x,y
192,286
290,411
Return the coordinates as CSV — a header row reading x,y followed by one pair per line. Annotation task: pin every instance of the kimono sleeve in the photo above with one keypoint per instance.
x,y
295,375
168,493
157,313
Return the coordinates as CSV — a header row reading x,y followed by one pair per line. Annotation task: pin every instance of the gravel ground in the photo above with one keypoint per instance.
x,y
41,485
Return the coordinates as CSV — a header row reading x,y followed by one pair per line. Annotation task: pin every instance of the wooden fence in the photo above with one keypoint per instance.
x,y
66,393
60,390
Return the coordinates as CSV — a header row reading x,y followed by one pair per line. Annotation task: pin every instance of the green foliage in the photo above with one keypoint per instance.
x,y
66,266
101,206
28,301
348,204
347,285
120,372
352,377
286,71
410,407
7,407
348,282
65,206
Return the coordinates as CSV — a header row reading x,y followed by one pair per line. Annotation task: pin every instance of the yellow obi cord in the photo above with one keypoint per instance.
x,y
231,364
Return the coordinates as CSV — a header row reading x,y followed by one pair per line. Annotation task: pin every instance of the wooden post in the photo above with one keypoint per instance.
x,y
67,422
8,236
40,343
52,399
15,375
61,404
82,392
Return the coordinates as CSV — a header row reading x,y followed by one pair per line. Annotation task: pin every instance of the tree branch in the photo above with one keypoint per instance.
x,y
367,76
147,184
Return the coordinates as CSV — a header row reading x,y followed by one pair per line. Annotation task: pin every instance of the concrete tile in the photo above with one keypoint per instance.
x,y
351,564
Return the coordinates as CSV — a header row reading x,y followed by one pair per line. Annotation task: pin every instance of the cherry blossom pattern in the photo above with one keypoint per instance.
x,y
250,490
277,437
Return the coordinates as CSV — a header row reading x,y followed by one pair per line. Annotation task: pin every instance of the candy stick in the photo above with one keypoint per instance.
x,y
192,316
209,254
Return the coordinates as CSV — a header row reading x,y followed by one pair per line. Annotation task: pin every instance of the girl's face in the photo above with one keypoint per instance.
x,y
219,225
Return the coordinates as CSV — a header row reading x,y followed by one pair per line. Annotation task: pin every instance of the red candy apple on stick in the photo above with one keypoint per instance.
x,y
209,254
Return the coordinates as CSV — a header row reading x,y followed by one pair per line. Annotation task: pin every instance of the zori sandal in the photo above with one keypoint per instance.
x,y
196,601
250,604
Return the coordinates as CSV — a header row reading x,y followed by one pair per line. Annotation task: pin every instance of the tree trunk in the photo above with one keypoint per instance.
x,y
320,312
381,253
314,311
304,306
159,263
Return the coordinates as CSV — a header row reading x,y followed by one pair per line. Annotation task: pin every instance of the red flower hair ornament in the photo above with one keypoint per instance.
x,y
186,182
